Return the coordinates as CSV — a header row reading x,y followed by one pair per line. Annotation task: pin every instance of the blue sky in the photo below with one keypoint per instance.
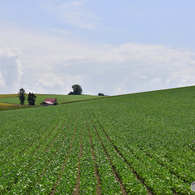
x,y
113,47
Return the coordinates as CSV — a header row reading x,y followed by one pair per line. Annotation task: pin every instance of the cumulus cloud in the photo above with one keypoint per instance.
x,y
135,67
10,68
56,84
72,12
2,81
53,64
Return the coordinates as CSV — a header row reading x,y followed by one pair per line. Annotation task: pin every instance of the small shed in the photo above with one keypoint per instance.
x,y
49,102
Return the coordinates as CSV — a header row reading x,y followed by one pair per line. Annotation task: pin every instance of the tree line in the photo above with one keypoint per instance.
x,y
77,90
31,97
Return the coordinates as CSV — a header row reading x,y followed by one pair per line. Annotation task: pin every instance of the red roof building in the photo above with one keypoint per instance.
x,y
49,101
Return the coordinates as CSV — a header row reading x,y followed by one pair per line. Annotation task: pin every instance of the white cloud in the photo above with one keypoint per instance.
x,y
10,68
53,64
78,3
122,86
55,84
74,13
2,81
60,31
182,77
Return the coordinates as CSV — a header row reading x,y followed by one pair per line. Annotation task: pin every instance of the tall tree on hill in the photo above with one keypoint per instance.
x,y
22,96
77,90
31,99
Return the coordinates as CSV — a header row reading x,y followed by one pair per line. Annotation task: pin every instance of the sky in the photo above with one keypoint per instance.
x,y
106,46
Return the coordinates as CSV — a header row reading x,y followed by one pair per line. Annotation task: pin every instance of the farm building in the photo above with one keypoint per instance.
x,y
49,102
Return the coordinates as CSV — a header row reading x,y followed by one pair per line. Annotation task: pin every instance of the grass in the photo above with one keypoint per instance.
x,y
11,101
137,143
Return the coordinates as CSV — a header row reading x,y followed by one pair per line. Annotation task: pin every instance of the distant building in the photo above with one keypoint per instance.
x,y
49,102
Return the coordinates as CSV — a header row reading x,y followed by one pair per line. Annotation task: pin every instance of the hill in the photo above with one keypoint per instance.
x,y
11,101
130,144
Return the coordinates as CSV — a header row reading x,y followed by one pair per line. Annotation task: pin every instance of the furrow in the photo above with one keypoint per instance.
x,y
163,165
76,189
55,152
98,190
134,172
63,166
35,165
26,164
28,149
123,190
108,181
137,165
46,138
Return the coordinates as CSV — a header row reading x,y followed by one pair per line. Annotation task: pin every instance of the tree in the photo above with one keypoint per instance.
x,y
22,96
31,99
77,90
100,94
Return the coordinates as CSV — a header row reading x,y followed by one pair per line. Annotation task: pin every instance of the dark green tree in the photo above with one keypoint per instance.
x,y
22,96
31,99
77,90
100,94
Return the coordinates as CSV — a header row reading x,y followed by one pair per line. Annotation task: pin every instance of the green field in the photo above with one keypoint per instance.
x,y
140,143
13,98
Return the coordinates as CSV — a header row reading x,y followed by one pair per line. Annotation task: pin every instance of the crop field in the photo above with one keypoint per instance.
x,y
10,106
11,101
13,98
140,143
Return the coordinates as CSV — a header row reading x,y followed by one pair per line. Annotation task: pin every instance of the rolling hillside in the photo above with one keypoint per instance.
x,y
140,143
11,101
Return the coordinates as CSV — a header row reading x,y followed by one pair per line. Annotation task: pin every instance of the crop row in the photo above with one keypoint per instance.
x,y
156,176
131,144
108,182
31,163
128,178
20,134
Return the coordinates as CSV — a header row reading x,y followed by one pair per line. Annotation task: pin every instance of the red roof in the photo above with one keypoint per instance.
x,y
50,100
